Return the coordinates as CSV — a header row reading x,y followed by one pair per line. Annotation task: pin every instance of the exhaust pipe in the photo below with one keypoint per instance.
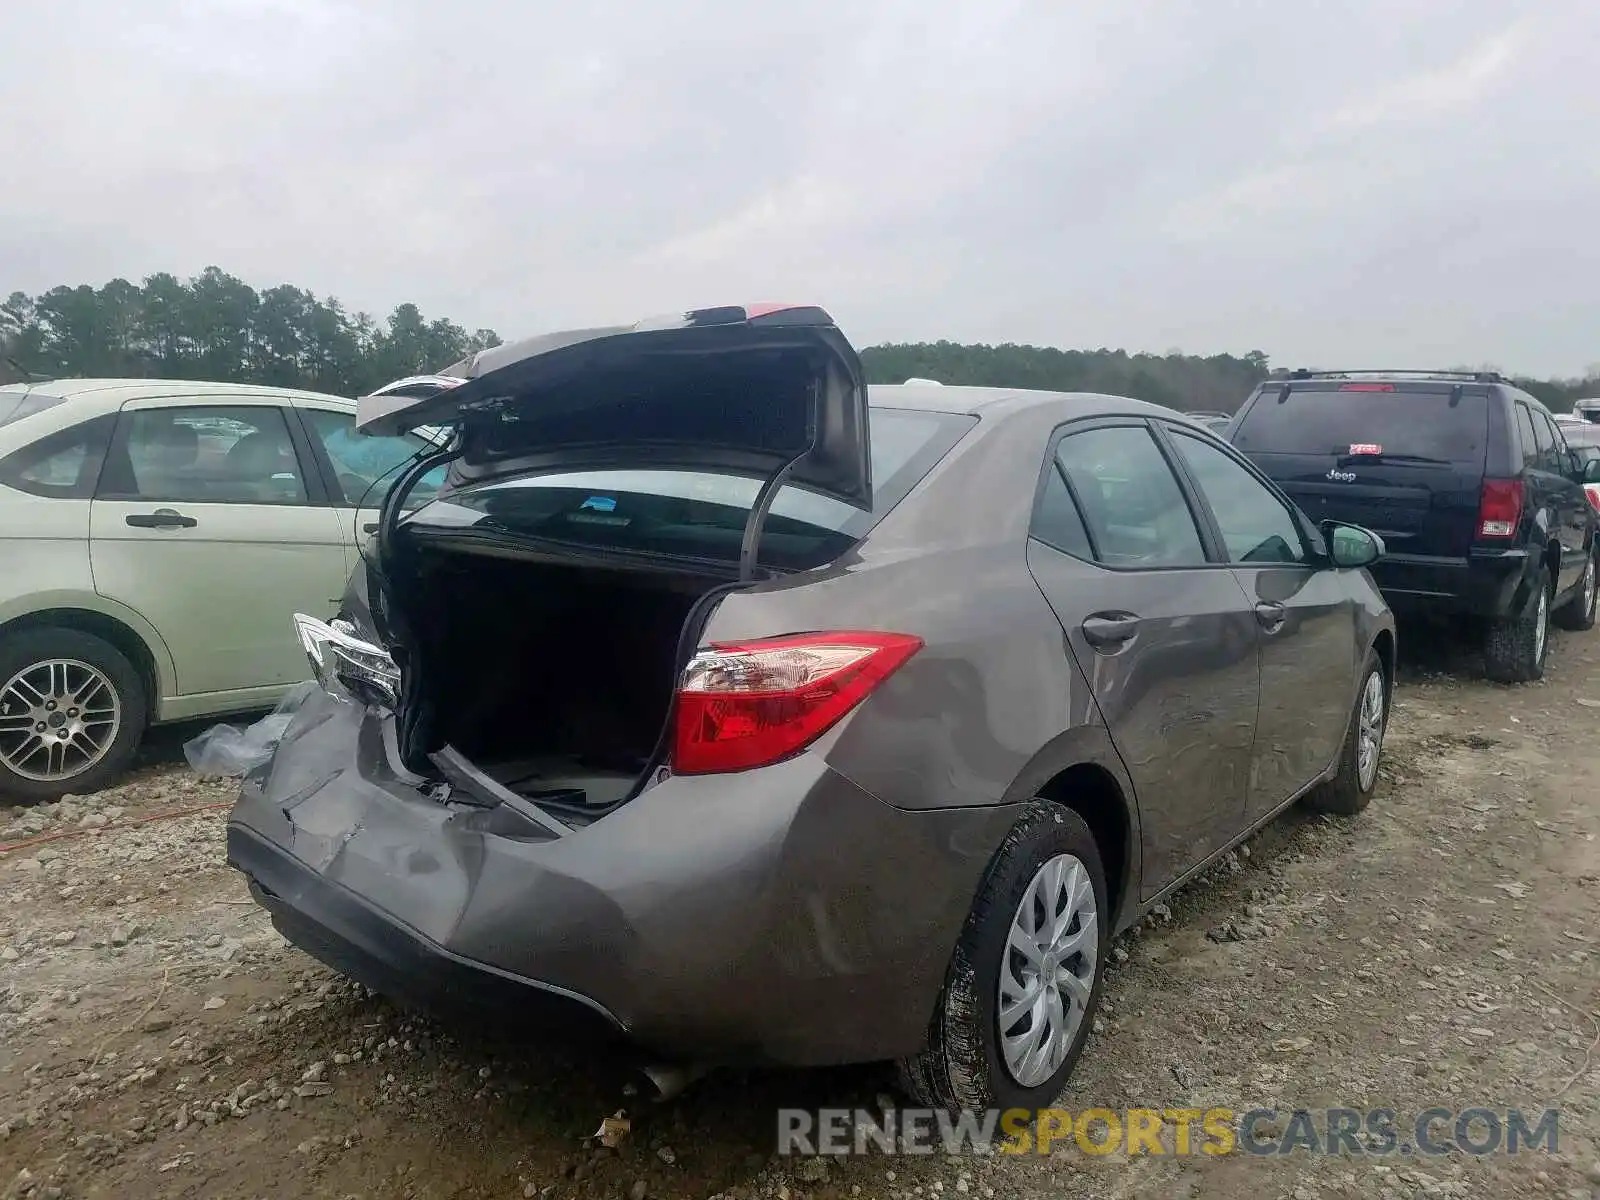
x,y
669,1080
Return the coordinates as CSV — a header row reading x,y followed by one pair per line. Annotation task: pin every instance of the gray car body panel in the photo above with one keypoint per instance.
x,y
806,912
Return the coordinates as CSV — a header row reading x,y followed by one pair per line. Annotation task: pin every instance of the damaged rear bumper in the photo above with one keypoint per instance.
x,y
781,915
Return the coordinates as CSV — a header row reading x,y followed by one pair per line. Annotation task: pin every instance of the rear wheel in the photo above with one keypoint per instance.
x,y
1578,613
1350,791
1515,649
72,710
1023,984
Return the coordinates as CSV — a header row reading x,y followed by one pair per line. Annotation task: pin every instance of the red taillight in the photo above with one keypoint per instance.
x,y
747,704
1367,387
1592,490
1499,508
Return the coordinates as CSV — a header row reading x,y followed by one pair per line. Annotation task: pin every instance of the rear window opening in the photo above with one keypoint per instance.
x,y
1439,424
699,516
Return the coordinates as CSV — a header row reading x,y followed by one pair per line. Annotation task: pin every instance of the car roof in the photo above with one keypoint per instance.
x,y
993,401
108,394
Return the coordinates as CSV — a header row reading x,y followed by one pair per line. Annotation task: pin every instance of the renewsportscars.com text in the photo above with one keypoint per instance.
x,y
1169,1131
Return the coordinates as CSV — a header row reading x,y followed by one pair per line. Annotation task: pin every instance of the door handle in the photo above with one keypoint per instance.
x,y
1110,631
1271,616
162,518
371,527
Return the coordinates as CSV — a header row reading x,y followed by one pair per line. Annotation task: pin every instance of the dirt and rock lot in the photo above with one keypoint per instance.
x,y
157,1038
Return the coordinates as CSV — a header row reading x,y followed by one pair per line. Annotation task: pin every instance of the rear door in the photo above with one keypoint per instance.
x,y
1405,460
1161,630
210,522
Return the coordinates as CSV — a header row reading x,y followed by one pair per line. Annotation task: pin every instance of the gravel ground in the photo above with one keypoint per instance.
x,y
157,1038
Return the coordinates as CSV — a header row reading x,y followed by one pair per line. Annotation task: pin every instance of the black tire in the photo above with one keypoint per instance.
x,y
962,1064
1346,794
31,646
1577,614
1516,646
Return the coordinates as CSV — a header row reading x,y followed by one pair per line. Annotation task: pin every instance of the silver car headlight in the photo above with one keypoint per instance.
x,y
346,664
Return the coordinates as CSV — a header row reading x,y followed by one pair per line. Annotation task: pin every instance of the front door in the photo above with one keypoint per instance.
x,y
1305,622
209,524
1162,632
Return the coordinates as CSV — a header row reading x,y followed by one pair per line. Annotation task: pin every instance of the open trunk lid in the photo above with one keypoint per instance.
x,y
738,390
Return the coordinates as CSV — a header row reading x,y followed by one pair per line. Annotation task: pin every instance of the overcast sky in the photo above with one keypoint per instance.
x,y
1373,182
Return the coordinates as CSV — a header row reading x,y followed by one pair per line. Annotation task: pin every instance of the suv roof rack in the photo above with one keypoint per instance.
x,y
1461,376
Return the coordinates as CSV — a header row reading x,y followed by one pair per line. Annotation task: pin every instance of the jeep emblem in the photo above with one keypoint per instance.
x,y
1339,476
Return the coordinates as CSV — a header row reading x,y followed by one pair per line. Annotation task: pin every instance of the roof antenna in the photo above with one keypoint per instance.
x,y
25,373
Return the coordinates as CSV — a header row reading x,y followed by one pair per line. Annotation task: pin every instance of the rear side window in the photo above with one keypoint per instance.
x,y
1526,438
16,405
1058,522
1416,423
702,514
63,466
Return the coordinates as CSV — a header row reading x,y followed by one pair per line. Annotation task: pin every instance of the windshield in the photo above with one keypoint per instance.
x,y
1411,423
701,513
16,405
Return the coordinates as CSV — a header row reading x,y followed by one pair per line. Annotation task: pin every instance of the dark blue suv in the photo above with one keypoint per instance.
x,y
1466,477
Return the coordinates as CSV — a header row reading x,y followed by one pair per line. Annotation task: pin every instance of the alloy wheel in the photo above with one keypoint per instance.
x,y
1369,736
58,718
1047,974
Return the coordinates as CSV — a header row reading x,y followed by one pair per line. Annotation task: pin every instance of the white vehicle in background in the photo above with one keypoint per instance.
x,y
158,538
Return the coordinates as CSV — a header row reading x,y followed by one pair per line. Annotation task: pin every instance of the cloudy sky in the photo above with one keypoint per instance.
x,y
1372,182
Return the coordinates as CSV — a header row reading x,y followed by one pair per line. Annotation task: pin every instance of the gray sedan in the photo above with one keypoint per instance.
x,y
722,704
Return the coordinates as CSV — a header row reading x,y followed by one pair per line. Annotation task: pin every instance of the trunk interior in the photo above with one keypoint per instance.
x,y
556,680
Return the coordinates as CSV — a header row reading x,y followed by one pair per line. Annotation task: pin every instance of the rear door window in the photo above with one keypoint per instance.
x,y
1131,502
1410,422
223,455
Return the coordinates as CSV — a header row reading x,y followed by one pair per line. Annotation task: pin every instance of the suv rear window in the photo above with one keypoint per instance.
x,y
16,405
702,514
1407,422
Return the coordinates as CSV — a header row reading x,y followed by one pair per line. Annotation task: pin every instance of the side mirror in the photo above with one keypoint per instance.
x,y
1591,471
1351,545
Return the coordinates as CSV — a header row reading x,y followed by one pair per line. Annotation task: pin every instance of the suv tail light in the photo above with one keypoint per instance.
x,y
1367,387
746,704
1499,508
1592,490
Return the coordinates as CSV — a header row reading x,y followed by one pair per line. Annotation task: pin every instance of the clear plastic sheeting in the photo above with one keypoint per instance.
x,y
230,751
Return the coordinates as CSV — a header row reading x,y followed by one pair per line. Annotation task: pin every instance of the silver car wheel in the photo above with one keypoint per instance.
x,y
1369,740
58,718
1048,971
1588,586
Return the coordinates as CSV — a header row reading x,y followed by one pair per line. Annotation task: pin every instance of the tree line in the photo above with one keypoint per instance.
x,y
216,326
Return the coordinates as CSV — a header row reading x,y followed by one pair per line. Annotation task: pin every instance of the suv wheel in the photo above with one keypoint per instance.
x,y
1351,789
1515,649
1578,613
1023,984
72,709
